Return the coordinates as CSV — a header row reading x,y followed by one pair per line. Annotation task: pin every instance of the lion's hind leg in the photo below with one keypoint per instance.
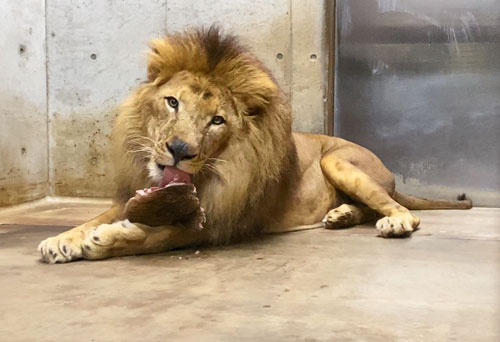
x,y
343,175
348,215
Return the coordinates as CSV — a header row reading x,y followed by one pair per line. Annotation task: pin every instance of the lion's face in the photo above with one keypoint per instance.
x,y
190,125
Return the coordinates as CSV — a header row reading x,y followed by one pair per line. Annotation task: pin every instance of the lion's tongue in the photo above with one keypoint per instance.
x,y
173,174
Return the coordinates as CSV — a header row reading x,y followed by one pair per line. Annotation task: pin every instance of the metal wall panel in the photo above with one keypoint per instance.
x,y
23,120
418,82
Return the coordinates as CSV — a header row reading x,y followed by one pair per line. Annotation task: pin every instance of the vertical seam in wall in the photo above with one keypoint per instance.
x,y
329,64
335,65
47,108
324,65
290,52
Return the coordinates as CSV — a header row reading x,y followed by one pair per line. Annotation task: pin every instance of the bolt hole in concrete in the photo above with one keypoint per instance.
x,y
313,57
23,151
22,49
279,56
93,56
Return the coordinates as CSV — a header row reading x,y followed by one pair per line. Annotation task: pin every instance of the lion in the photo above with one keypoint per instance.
x,y
212,115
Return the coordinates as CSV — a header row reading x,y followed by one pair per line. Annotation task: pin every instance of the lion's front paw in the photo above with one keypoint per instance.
x,y
71,246
93,244
61,248
400,225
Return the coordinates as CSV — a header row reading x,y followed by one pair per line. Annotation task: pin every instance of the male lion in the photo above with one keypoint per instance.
x,y
210,113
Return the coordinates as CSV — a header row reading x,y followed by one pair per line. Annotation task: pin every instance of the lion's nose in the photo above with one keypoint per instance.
x,y
179,150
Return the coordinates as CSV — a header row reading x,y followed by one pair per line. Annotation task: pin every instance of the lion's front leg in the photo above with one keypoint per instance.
x,y
120,239
398,220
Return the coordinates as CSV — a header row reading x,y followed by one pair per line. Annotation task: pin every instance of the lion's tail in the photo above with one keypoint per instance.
x,y
418,203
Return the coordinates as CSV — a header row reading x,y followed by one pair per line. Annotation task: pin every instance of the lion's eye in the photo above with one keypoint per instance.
x,y
172,102
217,120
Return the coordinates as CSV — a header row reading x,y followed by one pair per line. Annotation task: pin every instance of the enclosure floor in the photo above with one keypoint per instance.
x,y
443,284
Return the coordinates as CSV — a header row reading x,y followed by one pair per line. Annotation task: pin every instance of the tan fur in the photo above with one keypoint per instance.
x,y
252,173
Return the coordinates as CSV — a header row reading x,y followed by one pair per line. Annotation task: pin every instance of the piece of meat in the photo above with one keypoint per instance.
x,y
174,202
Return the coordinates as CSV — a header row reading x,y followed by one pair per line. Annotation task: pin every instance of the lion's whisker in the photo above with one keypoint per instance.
x,y
216,160
142,137
144,148
135,139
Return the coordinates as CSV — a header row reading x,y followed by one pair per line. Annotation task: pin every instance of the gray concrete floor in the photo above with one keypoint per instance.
x,y
443,284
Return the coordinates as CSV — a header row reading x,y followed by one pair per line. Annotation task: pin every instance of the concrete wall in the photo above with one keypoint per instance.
x,y
96,53
309,66
23,119
94,61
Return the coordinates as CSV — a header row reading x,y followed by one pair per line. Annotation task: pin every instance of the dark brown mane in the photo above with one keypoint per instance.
x,y
218,47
